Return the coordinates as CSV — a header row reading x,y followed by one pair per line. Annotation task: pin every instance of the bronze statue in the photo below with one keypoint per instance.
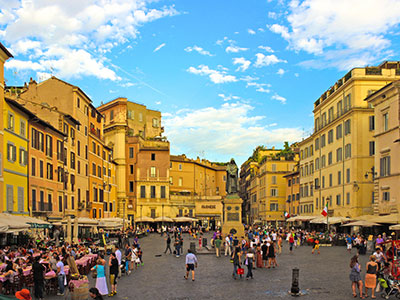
x,y
231,177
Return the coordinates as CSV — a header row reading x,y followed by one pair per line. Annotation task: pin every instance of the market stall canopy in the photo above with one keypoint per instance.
x,y
389,219
112,223
37,223
10,223
83,221
184,219
144,219
163,219
332,220
301,218
362,224
394,227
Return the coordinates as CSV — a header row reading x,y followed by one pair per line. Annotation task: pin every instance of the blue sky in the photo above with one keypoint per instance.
x,y
227,75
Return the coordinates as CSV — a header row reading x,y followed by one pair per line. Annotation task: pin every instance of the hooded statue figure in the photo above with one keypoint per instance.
x,y
231,177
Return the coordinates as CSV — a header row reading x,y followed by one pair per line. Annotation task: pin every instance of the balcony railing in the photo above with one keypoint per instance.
x,y
42,206
333,118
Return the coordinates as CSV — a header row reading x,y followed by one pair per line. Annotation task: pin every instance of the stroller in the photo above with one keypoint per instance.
x,y
389,285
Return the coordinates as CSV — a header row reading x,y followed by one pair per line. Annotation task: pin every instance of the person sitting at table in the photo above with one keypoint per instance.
x,y
53,262
38,277
9,274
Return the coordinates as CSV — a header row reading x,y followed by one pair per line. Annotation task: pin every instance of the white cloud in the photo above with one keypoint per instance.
x,y
341,33
214,75
235,49
266,60
228,98
199,50
72,37
251,31
272,15
279,98
158,102
220,42
263,90
296,74
281,72
244,63
266,48
159,47
23,65
230,130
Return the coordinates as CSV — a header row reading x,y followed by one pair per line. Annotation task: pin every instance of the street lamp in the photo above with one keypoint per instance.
x,y
372,172
123,213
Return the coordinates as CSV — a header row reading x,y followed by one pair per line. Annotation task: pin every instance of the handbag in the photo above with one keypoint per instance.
x,y
240,271
231,260
94,273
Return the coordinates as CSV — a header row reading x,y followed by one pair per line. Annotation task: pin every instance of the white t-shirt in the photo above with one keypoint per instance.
x,y
378,256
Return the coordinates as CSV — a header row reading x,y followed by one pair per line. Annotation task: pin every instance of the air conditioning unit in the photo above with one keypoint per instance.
x,y
130,206
81,206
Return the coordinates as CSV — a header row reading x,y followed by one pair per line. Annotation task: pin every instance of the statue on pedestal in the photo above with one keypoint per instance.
x,y
231,178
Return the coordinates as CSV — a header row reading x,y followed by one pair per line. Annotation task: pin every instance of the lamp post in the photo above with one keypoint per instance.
x,y
123,213
372,172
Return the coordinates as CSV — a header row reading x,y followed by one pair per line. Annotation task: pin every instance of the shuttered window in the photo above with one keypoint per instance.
x,y
10,197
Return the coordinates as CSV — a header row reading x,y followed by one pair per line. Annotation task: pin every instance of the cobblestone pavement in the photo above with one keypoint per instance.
x,y
324,276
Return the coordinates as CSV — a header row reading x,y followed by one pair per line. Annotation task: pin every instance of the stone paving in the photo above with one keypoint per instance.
x,y
324,276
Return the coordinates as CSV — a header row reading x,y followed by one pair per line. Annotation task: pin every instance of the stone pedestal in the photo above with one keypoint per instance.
x,y
232,215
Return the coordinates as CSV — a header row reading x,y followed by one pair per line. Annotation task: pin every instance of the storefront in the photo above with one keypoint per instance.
x,y
209,213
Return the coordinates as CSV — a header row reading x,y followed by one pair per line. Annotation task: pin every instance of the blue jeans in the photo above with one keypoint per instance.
x,y
235,267
178,250
127,266
61,280
249,269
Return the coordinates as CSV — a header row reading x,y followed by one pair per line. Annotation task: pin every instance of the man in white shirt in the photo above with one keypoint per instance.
x,y
228,246
191,263
118,255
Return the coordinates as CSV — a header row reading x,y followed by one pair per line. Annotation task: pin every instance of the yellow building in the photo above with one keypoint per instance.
x,y
386,148
131,129
15,149
197,188
4,55
306,205
341,142
271,202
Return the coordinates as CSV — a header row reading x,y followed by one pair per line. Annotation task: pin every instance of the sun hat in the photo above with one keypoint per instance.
x,y
23,294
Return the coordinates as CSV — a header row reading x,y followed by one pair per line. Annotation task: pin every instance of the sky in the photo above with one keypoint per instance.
x,y
227,75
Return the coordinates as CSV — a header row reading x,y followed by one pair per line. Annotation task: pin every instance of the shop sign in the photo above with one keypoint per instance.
x,y
209,206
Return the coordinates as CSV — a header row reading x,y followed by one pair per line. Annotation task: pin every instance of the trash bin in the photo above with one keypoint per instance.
x,y
204,244
193,247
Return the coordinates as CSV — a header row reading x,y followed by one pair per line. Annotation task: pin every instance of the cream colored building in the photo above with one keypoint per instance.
x,y
306,205
197,188
386,148
142,156
341,142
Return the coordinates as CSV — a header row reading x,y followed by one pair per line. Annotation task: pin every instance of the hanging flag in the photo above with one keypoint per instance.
x,y
325,211
287,214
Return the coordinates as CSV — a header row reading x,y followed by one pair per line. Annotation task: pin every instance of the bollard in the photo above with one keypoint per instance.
x,y
295,290
193,247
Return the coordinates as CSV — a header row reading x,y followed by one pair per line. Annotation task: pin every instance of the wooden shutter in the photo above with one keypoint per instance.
x,y
21,198
10,197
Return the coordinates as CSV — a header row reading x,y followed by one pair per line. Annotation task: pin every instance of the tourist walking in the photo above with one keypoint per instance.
x,y
228,244
349,243
217,243
38,278
114,266
355,277
315,246
271,255
370,276
249,263
279,244
291,241
101,283
264,251
191,264
118,255
236,258
168,240
259,260
60,276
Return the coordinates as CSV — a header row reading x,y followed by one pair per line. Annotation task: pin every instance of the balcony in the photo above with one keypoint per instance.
x,y
42,207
